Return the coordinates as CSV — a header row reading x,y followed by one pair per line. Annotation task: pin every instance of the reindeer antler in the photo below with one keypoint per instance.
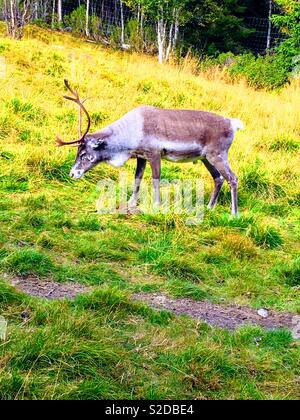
x,y
80,103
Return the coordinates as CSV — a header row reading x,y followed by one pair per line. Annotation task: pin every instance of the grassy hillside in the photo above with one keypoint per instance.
x,y
102,345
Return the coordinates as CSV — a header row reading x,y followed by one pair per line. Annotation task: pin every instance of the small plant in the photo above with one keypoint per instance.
x,y
37,202
256,180
239,246
98,117
277,340
28,261
8,296
26,110
145,86
91,223
33,219
265,236
25,135
56,70
289,272
285,144
45,240
13,183
60,220
3,47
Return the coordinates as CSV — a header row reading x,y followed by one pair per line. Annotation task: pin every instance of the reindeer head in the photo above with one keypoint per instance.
x,y
91,148
91,152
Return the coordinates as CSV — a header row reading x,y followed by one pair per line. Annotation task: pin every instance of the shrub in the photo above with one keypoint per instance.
x,y
77,20
288,22
269,72
134,36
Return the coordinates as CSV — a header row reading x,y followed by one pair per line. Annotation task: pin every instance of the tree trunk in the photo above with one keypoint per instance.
x,y
270,25
161,40
122,24
13,17
36,9
53,13
16,18
45,10
87,25
167,36
59,11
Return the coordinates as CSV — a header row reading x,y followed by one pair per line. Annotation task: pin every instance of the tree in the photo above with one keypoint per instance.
x,y
53,13
289,23
59,11
17,14
122,24
87,26
217,26
168,15
270,24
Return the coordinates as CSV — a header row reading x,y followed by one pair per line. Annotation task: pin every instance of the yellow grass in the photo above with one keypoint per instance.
x,y
117,82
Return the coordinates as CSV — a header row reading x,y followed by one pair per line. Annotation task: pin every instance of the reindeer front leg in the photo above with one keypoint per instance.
x,y
155,162
140,170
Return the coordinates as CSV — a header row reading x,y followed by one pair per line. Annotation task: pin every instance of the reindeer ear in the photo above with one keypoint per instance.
x,y
97,143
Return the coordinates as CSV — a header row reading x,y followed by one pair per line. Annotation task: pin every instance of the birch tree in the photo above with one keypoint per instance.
x,y
17,14
87,25
270,25
169,15
59,11
122,24
53,13
167,33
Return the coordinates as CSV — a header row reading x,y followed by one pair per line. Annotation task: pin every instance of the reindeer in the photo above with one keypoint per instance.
x,y
150,134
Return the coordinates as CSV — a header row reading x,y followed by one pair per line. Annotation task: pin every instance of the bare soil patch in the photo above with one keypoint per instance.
x,y
48,289
228,317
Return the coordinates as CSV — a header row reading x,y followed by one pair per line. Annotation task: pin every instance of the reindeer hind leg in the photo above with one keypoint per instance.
x,y
222,165
218,181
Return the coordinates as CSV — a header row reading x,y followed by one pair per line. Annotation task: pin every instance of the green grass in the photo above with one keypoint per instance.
x,y
103,345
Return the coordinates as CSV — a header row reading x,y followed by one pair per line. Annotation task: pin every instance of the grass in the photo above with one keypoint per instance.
x,y
102,345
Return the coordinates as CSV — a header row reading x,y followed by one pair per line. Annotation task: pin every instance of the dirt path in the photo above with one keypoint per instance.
x,y
49,289
229,317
